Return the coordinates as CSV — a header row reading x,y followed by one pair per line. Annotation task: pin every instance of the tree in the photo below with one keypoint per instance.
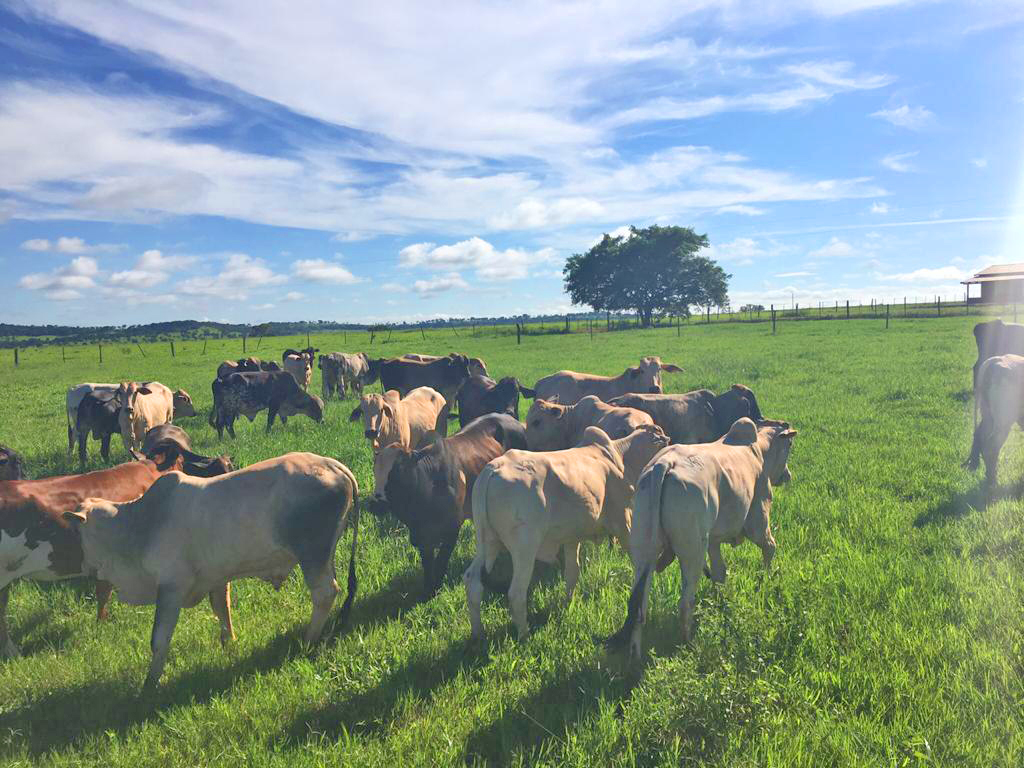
x,y
656,269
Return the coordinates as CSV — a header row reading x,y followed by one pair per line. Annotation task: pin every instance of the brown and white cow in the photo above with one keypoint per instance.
x,y
569,387
10,465
534,504
262,521
169,444
553,427
695,417
143,406
999,394
691,499
479,395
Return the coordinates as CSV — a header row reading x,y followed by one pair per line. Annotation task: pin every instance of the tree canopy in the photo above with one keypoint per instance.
x,y
655,269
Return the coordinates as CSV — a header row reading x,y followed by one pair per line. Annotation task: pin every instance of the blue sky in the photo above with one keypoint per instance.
x,y
387,161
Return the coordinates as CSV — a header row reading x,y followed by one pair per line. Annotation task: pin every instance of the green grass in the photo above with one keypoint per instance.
x,y
889,631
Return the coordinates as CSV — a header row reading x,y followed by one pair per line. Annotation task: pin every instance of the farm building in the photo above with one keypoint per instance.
x,y
1000,284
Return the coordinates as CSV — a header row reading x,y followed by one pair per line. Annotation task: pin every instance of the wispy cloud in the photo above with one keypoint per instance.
x,y
69,245
898,161
912,118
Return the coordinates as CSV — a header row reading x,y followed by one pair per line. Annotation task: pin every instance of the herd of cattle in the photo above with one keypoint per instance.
x,y
670,476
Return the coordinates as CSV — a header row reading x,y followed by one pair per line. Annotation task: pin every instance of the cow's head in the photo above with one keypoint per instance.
x,y
458,368
646,377
776,457
506,396
183,406
477,367
639,447
547,426
384,461
376,412
128,394
10,464
729,406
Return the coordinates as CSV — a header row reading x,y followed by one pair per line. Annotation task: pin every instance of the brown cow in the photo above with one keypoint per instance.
x,y
995,338
10,465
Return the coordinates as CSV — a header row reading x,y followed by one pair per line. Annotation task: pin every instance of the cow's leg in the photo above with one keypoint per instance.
x,y
571,555
717,573
990,453
168,607
7,647
231,427
220,602
104,589
271,413
323,589
444,555
692,552
71,438
82,438
758,529
427,558
524,557
105,447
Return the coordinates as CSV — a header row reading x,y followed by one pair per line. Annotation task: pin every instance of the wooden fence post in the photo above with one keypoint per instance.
x,y
15,356
847,309
677,325
773,319
519,334
904,306
172,349
62,358
709,314
243,344
887,317
566,323
938,306
141,350
608,319
101,351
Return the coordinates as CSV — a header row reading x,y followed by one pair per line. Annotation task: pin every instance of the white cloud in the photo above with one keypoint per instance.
x,y
69,245
837,74
436,285
743,250
65,283
880,208
833,249
535,214
979,162
152,269
911,118
37,244
322,271
395,288
897,161
930,276
795,274
745,210
294,296
475,253
240,275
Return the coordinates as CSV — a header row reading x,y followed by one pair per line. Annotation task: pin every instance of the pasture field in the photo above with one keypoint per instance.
x,y
890,630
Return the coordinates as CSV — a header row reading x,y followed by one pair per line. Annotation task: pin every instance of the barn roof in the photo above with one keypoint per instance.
x,y
997,273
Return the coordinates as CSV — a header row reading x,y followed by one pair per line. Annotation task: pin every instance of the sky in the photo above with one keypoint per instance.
x,y
375,162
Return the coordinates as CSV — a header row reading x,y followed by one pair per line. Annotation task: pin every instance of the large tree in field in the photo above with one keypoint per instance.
x,y
656,269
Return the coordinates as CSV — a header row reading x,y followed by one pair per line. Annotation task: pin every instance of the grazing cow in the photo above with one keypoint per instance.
x,y
999,393
245,365
696,417
476,365
408,420
340,370
186,538
99,414
534,504
995,338
431,490
692,498
446,375
553,427
249,393
10,465
479,395
166,443
37,543
74,398
300,365
568,387
143,406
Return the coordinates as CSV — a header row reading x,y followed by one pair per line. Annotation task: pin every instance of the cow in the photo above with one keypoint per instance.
x,y
445,374
431,489
37,543
245,365
74,398
999,393
480,394
167,442
249,393
10,465
408,420
534,504
692,498
695,417
143,406
187,537
477,367
552,427
99,414
568,387
299,365
340,370
995,338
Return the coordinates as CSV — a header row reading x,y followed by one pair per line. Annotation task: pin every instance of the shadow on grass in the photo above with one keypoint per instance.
x,y
953,508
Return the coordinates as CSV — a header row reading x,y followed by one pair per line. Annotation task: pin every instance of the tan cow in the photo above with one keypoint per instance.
x,y
999,394
569,387
182,404
695,417
534,504
188,537
143,406
300,367
552,427
692,498
390,418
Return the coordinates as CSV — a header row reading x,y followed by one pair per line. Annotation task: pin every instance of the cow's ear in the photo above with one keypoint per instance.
x,y
388,409
671,368
789,433
75,518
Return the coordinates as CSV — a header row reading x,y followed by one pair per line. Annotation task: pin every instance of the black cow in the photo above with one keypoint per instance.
x,y
249,393
165,443
98,414
431,489
995,338
480,395
10,465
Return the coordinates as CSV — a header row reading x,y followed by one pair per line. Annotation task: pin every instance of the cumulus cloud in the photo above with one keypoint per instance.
x,y
475,253
66,283
240,275
536,214
37,244
323,271
743,251
898,161
833,249
911,118
441,284
152,269
68,245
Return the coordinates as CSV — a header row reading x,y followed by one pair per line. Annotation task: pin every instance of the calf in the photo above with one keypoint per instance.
x,y
168,444
389,418
695,417
10,465
262,521
431,489
98,414
534,504
552,427
569,387
479,395
37,543
692,498
247,394
143,406
999,394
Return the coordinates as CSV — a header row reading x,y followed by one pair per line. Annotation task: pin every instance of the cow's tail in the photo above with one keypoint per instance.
x,y
346,608
648,500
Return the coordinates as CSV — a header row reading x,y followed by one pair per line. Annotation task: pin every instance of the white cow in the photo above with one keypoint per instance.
x,y
568,387
143,406
552,427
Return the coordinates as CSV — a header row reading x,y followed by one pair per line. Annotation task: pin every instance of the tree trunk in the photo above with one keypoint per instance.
x,y
645,317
